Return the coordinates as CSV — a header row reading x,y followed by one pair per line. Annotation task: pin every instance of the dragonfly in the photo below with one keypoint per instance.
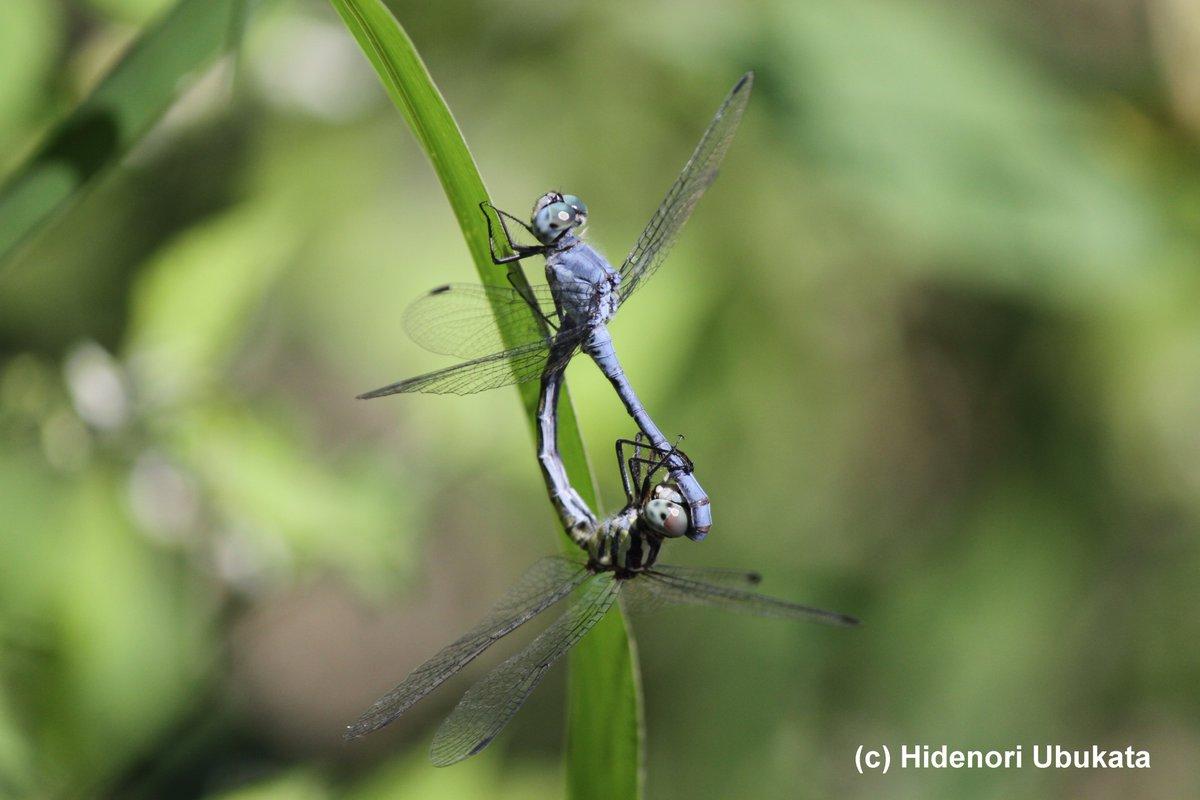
x,y
571,310
621,565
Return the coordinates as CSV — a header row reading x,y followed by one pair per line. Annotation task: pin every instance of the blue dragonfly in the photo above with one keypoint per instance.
x,y
570,313
621,564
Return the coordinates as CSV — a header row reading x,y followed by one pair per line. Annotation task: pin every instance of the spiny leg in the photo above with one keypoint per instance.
x,y
655,544
636,462
519,251
629,472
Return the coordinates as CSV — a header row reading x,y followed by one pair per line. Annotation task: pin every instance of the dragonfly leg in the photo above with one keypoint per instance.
x,y
526,295
651,466
629,472
631,468
640,440
519,250
503,215
654,545
677,453
665,455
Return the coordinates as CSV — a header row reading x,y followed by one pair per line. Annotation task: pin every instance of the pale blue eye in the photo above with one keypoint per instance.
x,y
666,517
551,221
575,203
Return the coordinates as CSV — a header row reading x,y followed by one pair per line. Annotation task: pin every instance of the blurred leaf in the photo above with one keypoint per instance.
x,y
133,640
15,755
123,107
410,776
135,10
285,504
295,785
32,503
29,34
192,303
971,159
603,736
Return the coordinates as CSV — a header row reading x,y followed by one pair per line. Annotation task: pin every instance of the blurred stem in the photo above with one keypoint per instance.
x,y
604,706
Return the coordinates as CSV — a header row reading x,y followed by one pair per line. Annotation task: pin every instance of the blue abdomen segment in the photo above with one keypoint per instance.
x,y
599,346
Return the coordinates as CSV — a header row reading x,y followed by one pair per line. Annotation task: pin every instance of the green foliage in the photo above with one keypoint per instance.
x,y
101,129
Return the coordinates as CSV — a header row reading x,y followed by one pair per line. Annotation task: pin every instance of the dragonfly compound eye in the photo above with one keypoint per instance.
x,y
550,222
669,519
576,204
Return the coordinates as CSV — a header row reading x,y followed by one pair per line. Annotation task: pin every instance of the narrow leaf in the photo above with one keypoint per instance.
x,y
102,128
604,719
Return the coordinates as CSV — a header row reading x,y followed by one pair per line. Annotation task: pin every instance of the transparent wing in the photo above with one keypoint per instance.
x,y
652,246
668,588
640,596
518,365
733,577
488,706
543,584
465,320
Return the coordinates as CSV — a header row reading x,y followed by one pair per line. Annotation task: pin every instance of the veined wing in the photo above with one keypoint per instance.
x,y
488,706
518,365
642,596
652,246
466,320
543,584
677,589
732,577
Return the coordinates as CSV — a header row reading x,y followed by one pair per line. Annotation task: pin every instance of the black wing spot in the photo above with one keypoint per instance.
x,y
441,289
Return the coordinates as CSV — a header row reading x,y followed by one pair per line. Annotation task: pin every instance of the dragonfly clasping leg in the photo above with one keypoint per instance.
x,y
520,251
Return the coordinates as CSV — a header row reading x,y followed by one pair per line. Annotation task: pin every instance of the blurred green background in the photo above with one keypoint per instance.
x,y
933,338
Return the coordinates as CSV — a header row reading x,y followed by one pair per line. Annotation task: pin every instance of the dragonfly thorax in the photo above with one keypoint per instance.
x,y
623,544
629,540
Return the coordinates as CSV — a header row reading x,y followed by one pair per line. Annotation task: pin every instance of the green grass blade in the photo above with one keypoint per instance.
x,y
604,717
103,127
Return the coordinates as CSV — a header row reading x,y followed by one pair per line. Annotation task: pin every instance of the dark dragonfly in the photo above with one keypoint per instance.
x,y
620,565
571,312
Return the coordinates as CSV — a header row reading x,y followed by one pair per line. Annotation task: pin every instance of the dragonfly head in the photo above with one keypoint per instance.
x,y
665,511
556,213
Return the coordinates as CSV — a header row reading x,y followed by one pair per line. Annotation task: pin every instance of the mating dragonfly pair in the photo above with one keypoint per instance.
x,y
493,327
517,334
